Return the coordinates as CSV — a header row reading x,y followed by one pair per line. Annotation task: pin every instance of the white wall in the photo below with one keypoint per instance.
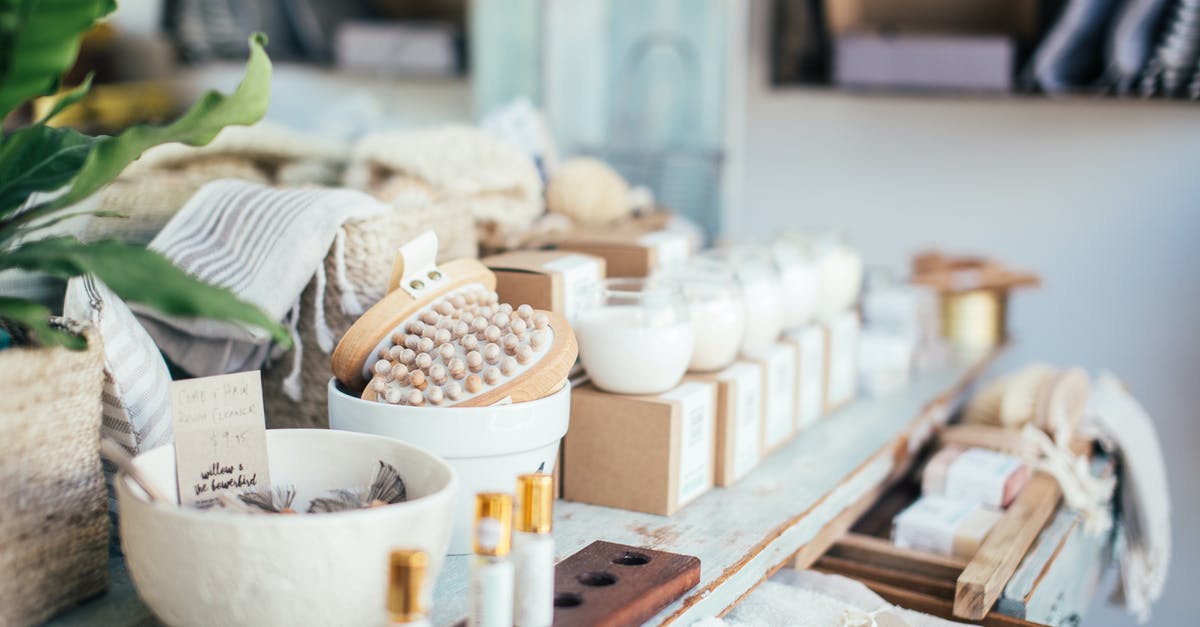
x,y
1102,198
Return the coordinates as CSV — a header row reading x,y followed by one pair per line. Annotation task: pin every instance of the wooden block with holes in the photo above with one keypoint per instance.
x,y
610,584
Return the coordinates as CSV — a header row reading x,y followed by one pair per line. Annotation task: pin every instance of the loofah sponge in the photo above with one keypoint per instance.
x,y
589,191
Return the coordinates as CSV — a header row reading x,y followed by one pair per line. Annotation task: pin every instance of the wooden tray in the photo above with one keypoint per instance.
x,y
952,588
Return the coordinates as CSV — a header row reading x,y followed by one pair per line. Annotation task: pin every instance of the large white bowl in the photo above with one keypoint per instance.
x,y
487,446
197,567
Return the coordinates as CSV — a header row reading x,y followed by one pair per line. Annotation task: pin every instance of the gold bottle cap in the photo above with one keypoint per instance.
x,y
493,523
406,578
535,495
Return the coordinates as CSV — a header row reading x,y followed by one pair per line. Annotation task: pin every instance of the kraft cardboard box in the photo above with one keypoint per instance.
x,y
631,253
841,359
778,362
739,418
552,280
650,454
809,342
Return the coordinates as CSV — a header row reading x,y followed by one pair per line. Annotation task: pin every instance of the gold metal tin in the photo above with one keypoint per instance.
x,y
406,577
535,495
496,506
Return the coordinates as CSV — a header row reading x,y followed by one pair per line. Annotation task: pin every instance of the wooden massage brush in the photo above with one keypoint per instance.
x,y
440,337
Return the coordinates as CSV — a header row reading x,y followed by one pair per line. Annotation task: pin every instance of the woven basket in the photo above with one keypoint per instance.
x,y
54,520
370,250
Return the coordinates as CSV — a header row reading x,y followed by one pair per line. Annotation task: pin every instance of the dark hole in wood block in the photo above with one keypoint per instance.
x,y
629,558
616,585
567,599
597,578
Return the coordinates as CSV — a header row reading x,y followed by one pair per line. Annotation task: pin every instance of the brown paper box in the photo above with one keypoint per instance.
x,y
558,473
778,362
739,419
551,280
809,341
650,454
628,253
841,360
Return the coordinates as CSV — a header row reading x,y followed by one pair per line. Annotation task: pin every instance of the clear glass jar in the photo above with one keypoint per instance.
x,y
798,272
762,294
839,272
717,309
635,336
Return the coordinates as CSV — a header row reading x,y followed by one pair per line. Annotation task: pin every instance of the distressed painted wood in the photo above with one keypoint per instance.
x,y
744,533
984,578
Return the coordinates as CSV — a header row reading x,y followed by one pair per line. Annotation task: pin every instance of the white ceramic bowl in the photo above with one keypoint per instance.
x,y
487,446
209,568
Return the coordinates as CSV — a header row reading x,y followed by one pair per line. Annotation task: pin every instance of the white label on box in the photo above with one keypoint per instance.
x,y
979,475
747,380
670,247
697,411
811,402
843,351
579,274
780,393
930,524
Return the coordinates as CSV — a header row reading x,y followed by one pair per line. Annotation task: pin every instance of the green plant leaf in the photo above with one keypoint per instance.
x,y
39,40
213,112
38,159
67,99
36,318
140,275
107,156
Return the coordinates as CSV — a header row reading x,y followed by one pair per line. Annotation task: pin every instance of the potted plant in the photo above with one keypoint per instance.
x,y
54,531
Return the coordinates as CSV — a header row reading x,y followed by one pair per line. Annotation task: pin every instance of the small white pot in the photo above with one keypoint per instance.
x,y
487,446
195,567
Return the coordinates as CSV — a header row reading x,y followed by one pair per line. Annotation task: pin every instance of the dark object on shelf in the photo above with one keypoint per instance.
x,y
1173,66
299,30
925,62
616,584
800,42
1131,41
1071,56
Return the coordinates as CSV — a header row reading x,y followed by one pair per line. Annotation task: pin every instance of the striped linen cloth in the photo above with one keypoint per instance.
x,y
263,244
136,410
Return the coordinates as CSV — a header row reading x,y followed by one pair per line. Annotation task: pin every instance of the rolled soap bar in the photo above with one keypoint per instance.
x,y
943,526
975,474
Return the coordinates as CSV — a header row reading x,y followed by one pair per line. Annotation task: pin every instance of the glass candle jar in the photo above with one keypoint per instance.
x,y
839,273
762,295
635,336
798,273
717,310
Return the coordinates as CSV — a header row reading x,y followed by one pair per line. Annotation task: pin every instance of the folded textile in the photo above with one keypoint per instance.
x,y
135,405
264,245
453,165
1124,426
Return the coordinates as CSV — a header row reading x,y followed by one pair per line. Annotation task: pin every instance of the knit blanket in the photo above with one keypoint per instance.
x,y
264,245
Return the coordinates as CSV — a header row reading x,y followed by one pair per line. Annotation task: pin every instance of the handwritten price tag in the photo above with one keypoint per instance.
x,y
220,436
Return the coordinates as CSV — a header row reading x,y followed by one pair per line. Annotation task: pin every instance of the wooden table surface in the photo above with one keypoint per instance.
x,y
742,534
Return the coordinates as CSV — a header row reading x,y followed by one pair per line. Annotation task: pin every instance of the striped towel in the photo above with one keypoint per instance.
x,y
136,410
263,244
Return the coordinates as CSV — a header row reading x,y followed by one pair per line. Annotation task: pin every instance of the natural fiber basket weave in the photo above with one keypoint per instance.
x,y
53,507
369,251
